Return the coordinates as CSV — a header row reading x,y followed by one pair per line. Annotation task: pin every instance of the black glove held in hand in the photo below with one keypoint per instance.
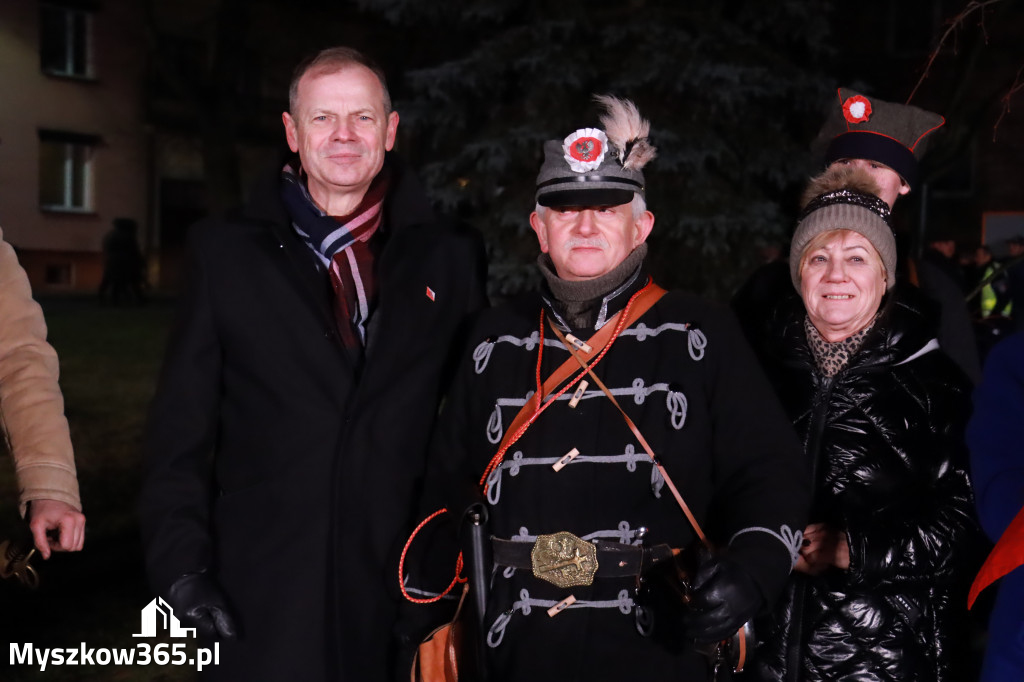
x,y
724,598
198,602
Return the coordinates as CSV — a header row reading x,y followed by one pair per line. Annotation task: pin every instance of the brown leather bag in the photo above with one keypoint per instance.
x,y
436,658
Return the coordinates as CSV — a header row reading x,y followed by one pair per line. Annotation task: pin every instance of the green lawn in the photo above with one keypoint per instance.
x,y
109,362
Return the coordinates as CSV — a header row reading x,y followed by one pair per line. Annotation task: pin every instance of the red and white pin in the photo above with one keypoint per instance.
x,y
430,294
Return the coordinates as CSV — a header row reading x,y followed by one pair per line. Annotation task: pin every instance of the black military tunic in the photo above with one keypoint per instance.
x,y
687,379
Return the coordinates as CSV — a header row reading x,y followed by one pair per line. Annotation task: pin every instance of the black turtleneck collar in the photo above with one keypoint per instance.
x,y
588,304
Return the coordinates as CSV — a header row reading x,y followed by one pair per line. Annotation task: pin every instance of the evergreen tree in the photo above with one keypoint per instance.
x,y
732,90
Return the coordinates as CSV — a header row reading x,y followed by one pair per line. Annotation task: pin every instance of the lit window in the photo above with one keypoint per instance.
x,y
64,40
65,170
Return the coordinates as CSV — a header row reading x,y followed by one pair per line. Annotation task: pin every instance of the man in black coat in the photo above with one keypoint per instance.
x,y
581,517
302,378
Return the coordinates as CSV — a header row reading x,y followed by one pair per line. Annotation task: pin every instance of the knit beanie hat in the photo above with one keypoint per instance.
x,y
859,127
594,167
844,198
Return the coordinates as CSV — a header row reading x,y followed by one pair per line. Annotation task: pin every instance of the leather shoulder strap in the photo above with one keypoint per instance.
x,y
647,297
640,437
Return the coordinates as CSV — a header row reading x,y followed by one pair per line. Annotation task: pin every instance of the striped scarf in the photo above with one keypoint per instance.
x,y
340,242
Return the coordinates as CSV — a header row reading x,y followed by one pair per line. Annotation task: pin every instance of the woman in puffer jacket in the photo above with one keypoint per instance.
x,y
881,412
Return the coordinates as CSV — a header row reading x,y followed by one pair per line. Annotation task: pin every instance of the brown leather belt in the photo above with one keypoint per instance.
x,y
614,559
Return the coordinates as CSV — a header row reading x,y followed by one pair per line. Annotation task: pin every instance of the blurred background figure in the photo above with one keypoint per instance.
x,y
1015,279
123,265
994,298
988,298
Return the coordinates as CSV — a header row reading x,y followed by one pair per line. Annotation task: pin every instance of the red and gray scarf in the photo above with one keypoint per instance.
x,y
341,244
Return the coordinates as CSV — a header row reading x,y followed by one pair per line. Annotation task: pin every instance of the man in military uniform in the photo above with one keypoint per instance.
x,y
579,510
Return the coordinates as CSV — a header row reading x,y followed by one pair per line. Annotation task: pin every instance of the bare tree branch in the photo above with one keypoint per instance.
x,y
1016,87
951,30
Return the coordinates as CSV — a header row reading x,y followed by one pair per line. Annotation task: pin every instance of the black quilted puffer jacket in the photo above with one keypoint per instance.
x,y
884,445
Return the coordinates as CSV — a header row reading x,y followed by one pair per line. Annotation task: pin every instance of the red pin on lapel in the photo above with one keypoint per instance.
x,y
430,293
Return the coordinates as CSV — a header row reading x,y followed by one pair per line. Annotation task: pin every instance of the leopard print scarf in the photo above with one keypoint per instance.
x,y
833,357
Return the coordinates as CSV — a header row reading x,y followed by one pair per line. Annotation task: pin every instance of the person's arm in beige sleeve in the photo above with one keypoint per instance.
x,y
32,409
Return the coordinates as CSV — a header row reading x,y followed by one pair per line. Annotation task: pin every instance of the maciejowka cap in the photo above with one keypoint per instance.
x,y
861,127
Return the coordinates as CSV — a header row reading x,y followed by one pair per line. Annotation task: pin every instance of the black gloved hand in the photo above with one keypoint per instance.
x,y
198,601
724,598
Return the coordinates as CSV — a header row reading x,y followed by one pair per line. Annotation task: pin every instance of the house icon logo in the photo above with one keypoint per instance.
x,y
159,616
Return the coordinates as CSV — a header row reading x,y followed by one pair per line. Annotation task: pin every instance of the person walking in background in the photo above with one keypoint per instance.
x,y
302,377
34,424
880,410
124,268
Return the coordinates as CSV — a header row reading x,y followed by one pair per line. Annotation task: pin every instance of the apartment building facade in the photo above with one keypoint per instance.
x,y
74,150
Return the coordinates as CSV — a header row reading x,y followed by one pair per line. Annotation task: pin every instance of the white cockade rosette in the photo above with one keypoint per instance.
x,y
857,109
585,149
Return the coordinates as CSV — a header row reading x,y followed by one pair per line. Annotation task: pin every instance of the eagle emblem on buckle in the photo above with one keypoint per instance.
x,y
564,560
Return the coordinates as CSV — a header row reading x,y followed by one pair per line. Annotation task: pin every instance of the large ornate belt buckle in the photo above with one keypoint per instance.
x,y
564,560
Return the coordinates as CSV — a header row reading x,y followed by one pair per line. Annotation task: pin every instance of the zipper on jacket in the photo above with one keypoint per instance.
x,y
794,659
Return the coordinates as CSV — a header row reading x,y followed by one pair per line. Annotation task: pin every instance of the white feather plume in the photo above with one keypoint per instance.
x,y
627,131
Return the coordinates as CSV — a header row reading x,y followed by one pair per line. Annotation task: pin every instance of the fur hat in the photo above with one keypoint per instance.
x,y
844,198
593,167
860,127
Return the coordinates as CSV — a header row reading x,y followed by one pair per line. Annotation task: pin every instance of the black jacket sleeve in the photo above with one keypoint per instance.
x,y
762,494
174,505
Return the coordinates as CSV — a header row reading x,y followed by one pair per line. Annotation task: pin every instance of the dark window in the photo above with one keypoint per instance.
x,y
58,274
64,41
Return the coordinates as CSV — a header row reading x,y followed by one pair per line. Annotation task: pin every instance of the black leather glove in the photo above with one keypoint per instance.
x,y
199,602
724,598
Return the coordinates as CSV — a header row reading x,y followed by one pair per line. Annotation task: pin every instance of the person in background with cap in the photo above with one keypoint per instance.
x,y
881,412
579,512
886,140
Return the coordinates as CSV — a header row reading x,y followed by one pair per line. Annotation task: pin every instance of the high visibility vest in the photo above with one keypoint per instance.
x,y
989,297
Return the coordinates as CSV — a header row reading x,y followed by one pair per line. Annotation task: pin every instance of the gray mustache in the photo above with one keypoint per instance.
x,y
588,243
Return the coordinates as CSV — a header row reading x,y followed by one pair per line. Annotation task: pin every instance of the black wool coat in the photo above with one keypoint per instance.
x,y
884,447
691,384
284,464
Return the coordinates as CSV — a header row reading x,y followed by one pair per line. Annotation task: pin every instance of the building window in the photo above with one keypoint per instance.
x,y
65,40
65,170
58,274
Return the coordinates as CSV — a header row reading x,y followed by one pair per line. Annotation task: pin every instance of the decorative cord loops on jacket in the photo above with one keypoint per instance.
x,y
514,464
525,606
790,538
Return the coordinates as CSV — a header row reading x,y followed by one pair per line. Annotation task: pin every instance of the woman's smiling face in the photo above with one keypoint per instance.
x,y
842,280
